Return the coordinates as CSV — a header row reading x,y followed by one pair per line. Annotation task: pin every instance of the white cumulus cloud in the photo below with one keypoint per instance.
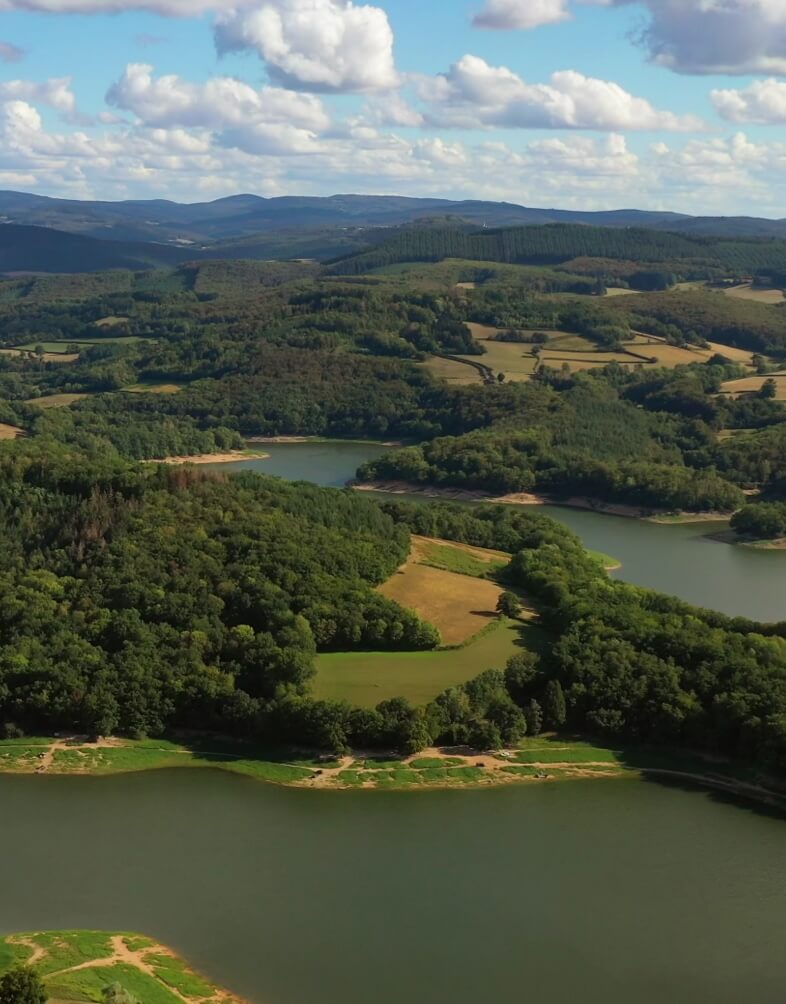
x,y
688,36
56,93
511,15
763,103
474,94
316,45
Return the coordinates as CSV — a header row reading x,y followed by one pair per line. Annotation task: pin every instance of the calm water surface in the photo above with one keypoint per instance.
x,y
593,891
679,560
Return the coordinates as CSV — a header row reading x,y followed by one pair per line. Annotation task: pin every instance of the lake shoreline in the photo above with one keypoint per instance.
x,y
430,770
230,457
539,499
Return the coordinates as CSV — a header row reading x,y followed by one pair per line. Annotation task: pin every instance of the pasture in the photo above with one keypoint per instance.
x,y
367,678
749,292
456,373
10,431
153,388
753,385
459,605
56,400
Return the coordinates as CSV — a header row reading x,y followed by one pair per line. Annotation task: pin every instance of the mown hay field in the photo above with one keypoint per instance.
x,y
748,292
10,431
460,606
56,400
753,384
458,374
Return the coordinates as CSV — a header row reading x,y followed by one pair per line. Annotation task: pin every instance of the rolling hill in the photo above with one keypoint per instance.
x,y
240,216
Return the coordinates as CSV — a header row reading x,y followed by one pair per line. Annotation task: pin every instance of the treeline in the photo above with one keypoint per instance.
x,y
558,243
761,521
135,600
584,441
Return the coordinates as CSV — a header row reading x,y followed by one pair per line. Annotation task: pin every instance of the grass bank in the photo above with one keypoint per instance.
x,y
81,965
545,758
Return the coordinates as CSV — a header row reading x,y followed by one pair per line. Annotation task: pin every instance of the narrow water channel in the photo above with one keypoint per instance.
x,y
678,560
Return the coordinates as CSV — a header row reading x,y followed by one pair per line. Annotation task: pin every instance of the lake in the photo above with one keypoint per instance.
x,y
591,891
679,560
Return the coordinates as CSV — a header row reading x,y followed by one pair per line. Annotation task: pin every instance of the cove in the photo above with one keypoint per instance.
x,y
676,559
604,892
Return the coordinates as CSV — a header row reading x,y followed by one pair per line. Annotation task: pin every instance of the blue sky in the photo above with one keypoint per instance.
x,y
677,104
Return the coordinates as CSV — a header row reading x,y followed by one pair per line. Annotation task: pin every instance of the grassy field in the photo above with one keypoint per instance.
x,y
56,400
458,605
366,678
47,357
454,372
459,558
748,292
10,431
753,384
513,359
153,388
80,965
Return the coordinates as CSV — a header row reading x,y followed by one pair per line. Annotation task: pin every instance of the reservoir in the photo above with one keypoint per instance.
x,y
680,560
603,892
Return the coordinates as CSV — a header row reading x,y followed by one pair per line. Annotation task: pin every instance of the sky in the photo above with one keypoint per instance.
x,y
582,104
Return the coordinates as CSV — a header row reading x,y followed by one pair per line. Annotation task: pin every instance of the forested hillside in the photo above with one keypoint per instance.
x,y
137,600
556,244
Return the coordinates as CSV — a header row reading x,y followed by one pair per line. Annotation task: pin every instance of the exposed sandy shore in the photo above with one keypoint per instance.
x,y
272,440
213,458
534,498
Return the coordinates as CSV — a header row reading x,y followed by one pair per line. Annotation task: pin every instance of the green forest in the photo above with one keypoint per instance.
x,y
139,599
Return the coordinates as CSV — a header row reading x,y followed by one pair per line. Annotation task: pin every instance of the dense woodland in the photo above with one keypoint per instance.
x,y
138,599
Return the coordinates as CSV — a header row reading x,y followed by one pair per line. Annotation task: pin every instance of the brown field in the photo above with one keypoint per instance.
x,y
513,359
111,322
453,372
10,431
47,357
460,606
153,388
753,384
620,291
748,292
672,355
736,355
56,400
466,285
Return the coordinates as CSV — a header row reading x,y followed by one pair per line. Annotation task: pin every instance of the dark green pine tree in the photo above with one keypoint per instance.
x,y
555,711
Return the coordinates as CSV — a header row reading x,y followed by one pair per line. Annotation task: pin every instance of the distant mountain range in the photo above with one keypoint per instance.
x,y
244,215
40,234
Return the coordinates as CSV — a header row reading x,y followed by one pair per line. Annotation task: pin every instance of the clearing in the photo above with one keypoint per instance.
x,y
153,388
454,372
80,965
56,400
460,605
753,384
10,431
749,292
367,678
444,582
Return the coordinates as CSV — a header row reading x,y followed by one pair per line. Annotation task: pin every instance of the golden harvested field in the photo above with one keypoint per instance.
x,y
56,400
753,384
620,291
10,431
513,359
47,357
736,355
153,388
672,355
453,372
459,605
748,292
111,322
